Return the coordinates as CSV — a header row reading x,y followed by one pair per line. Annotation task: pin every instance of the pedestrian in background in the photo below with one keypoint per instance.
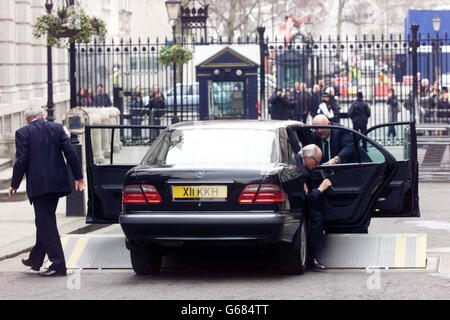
x,y
157,103
39,152
359,112
136,112
392,103
102,99
333,103
435,95
316,99
279,107
290,103
302,102
324,107
424,96
90,97
443,107
82,98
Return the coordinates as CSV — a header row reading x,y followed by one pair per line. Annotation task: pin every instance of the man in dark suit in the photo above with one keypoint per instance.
x,y
306,160
337,146
39,151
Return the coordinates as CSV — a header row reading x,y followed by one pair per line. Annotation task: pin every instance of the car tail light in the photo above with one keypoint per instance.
x,y
248,194
151,194
140,194
267,193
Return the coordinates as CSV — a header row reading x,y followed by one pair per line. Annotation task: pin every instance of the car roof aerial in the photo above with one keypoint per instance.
x,y
238,124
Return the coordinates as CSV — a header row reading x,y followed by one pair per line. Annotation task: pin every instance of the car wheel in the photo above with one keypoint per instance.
x,y
293,256
146,262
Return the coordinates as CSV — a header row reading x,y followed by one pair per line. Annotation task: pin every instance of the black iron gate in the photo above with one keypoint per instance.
x,y
372,65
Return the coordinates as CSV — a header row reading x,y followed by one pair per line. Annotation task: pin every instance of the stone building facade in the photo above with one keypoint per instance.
x,y
23,58
23,69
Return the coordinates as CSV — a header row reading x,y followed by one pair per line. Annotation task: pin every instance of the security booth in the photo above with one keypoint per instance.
x,y
228,81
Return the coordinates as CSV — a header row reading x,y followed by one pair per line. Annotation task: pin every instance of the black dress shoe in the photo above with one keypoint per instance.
x,y
27,263
53,273
317,266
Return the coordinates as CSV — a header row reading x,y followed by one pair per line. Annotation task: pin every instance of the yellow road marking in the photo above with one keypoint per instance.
x,y
76,253
64,241
400,252
421,251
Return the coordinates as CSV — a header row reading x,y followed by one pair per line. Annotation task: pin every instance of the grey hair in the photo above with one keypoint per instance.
x,y
311,150
33,112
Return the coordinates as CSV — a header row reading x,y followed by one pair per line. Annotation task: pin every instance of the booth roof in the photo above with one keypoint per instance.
x,y
205,52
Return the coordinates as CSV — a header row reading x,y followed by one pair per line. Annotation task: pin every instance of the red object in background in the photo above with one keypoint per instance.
x,y
258,104
382,91
341,81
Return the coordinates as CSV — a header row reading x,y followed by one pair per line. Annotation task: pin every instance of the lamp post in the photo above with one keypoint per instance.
x,y
436,25
50,103
173,10
75,204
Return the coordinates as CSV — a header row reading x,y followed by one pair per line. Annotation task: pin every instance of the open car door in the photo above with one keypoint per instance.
x,y
400,198
366,170
111,151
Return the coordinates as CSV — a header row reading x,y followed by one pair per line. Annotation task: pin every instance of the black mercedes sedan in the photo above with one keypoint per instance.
x,y
236,182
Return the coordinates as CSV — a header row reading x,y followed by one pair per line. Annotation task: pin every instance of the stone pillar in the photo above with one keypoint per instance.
x,y
24,49
8,89
39,58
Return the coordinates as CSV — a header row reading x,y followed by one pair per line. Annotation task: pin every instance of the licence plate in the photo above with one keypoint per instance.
x,y
199,192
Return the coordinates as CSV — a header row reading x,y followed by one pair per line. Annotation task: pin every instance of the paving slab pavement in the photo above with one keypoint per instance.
x,y
18,230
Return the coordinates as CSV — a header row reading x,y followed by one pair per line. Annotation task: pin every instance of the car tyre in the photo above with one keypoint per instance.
x,y
146,262
293,257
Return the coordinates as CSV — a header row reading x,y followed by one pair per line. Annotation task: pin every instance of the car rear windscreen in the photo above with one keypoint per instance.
x,y
215,146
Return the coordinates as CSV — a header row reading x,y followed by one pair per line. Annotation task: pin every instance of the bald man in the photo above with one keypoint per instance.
x,y
306,160
337,146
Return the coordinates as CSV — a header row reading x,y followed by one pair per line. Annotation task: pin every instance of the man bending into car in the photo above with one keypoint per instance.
x,y
306,160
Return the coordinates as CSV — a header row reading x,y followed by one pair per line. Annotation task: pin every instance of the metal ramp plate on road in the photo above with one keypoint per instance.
x,y
375,250
342,251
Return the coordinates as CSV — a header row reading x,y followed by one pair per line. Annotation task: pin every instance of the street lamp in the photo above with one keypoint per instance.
x,y
50,103
308,27
436,25
173,10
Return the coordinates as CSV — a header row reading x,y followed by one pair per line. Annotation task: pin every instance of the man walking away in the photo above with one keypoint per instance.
x,y
40,146
392,103
359,113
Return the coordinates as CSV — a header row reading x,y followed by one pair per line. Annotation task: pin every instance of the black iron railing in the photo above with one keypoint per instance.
x,y
371,65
